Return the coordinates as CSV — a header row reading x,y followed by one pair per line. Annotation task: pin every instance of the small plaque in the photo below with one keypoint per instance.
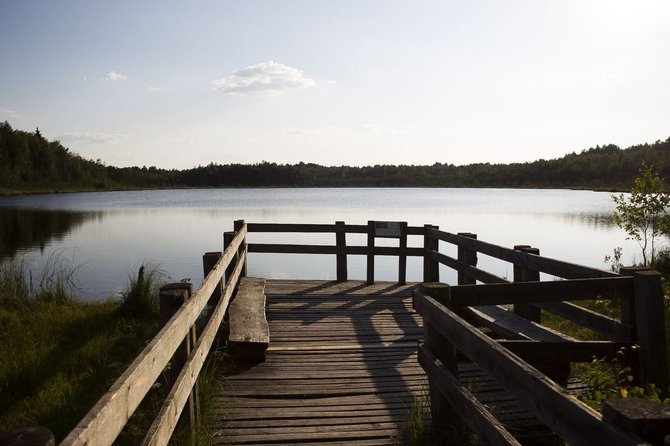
x,y
390,229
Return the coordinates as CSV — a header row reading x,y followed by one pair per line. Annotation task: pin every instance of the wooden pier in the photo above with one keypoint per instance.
x,y
341,367
343,361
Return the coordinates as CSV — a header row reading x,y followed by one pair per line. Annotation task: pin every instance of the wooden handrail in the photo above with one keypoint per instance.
x,y
166,421
547,265
536,292
571,419
106,419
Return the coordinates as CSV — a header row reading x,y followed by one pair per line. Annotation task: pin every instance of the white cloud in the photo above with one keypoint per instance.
x,y
6,112
264,79
90,137
114,76
154,89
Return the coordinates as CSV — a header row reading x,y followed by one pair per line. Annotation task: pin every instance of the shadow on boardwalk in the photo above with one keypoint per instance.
x,y
341,368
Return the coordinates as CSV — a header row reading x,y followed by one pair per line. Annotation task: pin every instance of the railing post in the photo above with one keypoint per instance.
x,y
628,302
170,299
371,253
237,226
521,274
467,256
431,269
209,259
443,414
341,243
228,237
650,326
402,257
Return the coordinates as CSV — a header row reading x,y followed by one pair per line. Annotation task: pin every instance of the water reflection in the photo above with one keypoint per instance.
x,y
112,233
23,229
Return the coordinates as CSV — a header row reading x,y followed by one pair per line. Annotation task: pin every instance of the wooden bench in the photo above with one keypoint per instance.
x,y
249,333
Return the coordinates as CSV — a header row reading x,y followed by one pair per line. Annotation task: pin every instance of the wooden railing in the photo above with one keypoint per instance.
x,y
637,292
107,418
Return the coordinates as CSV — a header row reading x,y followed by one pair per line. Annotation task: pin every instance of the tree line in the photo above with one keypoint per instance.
x,y
29,162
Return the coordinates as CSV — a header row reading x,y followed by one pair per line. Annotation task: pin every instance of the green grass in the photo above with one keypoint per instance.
x,y
59,355
57,359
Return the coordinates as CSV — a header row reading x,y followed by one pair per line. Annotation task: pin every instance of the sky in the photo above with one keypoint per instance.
x,y
177,84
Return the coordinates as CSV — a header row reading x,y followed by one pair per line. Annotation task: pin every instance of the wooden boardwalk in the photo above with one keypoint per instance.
x,y
341,368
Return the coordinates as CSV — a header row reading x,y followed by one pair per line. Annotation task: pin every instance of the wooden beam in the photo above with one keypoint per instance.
x,y
605,325
522,274
466,256
370,275
471,411
572,351
547,265
571,419
534,292
161,429
431,268
341,244
277,248
104,421
469,270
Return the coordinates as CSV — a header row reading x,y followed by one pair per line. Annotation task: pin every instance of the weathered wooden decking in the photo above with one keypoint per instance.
x,y
341,367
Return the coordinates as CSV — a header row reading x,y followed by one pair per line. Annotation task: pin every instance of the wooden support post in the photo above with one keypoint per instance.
x,y
649,420
170,299
522,274
209,259
628,302
650,325
237,225
402,257
469,257
371,253
431,269
228,237
442,413
341,243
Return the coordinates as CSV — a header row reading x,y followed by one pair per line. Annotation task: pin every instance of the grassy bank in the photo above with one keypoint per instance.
x,y
58,355
58,358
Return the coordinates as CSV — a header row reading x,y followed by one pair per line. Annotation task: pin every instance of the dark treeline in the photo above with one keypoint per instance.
x,y
29,162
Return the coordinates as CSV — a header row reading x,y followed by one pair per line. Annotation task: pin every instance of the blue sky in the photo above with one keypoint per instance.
x,y
178,84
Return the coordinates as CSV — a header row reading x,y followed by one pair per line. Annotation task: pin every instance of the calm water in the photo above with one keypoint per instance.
x,y
110,234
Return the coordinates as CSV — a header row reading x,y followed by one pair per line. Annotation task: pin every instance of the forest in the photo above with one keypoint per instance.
x,y
31,163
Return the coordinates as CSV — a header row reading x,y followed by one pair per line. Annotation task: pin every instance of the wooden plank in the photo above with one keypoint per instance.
x,y
571,351
249,332
471,411
571,419
547,265
105,420
534,292
465,269
388,431
605,325
287,248
511,326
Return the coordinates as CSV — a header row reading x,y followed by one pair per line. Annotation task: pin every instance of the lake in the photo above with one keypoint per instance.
x,y
108,235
